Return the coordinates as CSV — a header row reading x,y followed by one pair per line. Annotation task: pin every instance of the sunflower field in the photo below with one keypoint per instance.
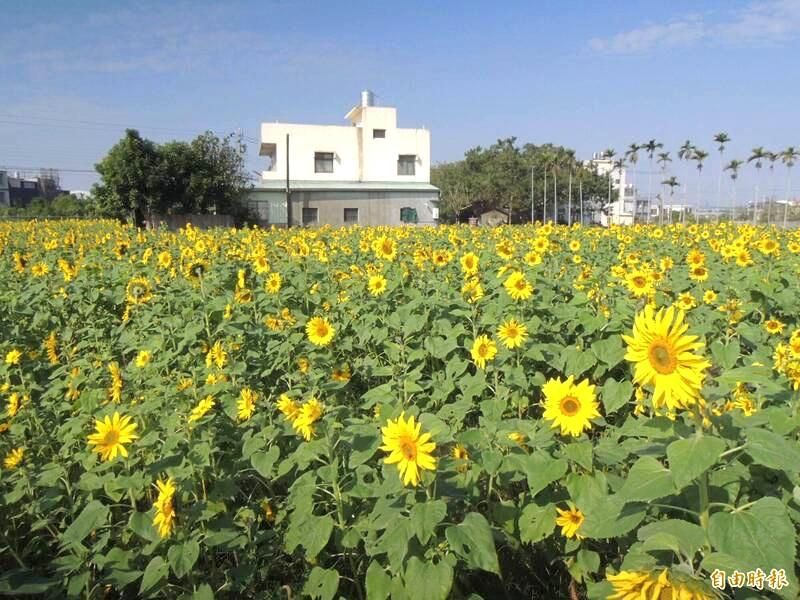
x,y
523,412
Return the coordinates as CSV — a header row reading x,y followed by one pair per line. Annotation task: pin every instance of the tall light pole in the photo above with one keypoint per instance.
x,y
532,215
288,189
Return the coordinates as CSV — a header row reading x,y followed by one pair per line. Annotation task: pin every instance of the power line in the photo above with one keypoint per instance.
x,y
65,170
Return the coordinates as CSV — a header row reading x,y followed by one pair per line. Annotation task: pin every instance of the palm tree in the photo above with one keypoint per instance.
x,y
788,157
632,155
663,159
772,157
722,139
699,156
617,165
609,154
733,167
757,154
685,153
650,147
672,182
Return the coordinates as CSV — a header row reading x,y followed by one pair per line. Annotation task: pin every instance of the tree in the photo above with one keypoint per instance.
x,y
140,178
685,153
721,138
733,167
788,157
699,157
772,157
672,183
632,156
454,187
758,154
650,147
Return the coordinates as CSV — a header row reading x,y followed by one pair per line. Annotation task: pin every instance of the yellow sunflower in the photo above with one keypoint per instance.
x,y
469,263
288,407
483,349
13,458
639,283
664,357
13,357
319,331
202,407
569,405
408,448
164,519
570,521
273,285
652,585
774,326
309,414
377,285
111,435
518,286
138,291
246,405
512,333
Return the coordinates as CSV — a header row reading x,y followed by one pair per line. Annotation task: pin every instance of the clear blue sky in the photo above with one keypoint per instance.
x,y
587,75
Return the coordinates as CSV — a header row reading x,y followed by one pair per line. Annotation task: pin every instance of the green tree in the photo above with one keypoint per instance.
x,y
721,138
757,154
733,167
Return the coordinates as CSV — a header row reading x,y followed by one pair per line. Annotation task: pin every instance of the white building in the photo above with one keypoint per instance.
x,y
370,172
621,210
5,199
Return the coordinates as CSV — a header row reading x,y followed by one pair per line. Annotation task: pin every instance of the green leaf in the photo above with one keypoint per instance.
x,y
92,516
472,540
691,457
674,534
610,517
725,355
587,562
322,583
378,582
773,451
427,580
154,572
609,351
542,469
761,536
647,480
264,461
425,516
579,452
203,592
615,394
182,557
22,582
310,531
537,522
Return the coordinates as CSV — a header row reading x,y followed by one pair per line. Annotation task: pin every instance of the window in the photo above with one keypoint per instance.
x,y
271,152
309,215
378,133
351,215
406,163
408,215
323,162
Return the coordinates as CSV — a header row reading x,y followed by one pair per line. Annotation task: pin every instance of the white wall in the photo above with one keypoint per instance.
x,y
358,156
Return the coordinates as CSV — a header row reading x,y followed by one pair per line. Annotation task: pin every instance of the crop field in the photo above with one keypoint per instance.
x,y
522,412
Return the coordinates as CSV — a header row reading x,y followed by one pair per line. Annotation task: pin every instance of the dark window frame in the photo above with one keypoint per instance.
x,y
408,214
316,215
323,162
403,162
378,134
344,216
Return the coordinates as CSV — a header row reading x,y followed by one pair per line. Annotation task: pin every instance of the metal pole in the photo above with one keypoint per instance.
x,y
544,201
288,189
580,194
569,201
532,216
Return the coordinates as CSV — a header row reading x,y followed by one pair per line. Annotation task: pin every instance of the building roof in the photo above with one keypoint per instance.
x,y
306,186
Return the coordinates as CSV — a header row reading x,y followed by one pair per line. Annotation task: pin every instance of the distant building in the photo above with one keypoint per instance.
x,y
623,204
5,198
370,172
493,218
22,189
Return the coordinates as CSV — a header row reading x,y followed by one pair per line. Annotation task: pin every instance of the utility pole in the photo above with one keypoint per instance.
x,y
569,201
544,201
580,194
288,189
532,216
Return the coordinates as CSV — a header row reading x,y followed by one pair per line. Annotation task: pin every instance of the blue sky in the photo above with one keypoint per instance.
x,y
588,75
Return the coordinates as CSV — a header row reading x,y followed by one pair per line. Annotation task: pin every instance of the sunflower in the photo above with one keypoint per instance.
x,y
512,333
385,248
246,404
698,273
39,270
377,285
408,448
216,355
288,407
469,263
273,285
194,270
472,290
518,286
483,349
319,331
143,359
111,435
533,258
51,347
342,374
202,407
639,283
164,260
13,357
743,258
164,519
774,326
309,414
664,357
13,458
570,521
709,296
138,291
651,585
570,406
12,404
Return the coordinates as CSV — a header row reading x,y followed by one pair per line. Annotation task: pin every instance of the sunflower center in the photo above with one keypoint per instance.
x,y
483,350
662,357
111,437
570,406
408,448
322,330
639,281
